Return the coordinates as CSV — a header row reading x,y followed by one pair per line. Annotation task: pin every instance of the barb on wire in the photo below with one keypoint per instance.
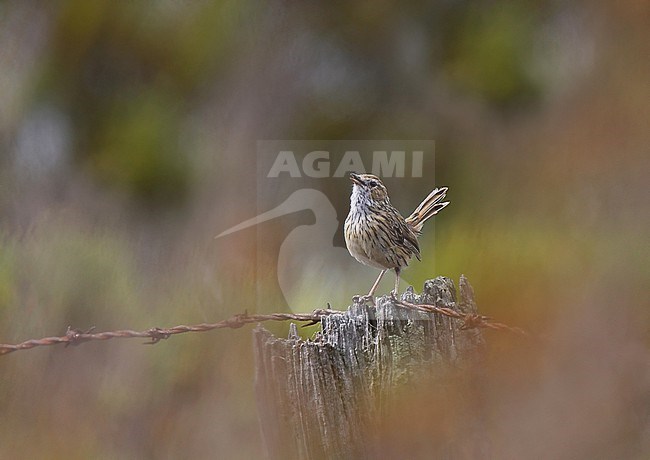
x,y
470,320
155,334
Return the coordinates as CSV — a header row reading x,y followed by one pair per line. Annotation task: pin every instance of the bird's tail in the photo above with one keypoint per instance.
x,y
431,206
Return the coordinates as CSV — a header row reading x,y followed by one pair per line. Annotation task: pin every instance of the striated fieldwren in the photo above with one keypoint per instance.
x,y
377,235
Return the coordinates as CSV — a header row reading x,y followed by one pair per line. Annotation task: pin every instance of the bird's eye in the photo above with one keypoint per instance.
x,y
373,183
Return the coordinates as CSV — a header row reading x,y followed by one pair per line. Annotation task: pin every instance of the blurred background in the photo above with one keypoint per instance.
x,y
128,138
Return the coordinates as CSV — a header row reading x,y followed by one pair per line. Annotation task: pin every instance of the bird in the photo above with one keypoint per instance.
x,y
375,232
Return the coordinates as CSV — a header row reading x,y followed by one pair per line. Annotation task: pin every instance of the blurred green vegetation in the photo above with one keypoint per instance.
x,y
126,76
491,50
128,137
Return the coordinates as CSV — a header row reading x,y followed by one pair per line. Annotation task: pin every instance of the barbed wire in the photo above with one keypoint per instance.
x,y
156,334
469,320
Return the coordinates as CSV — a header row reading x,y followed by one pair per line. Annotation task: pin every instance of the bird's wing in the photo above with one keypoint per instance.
x,y
405,237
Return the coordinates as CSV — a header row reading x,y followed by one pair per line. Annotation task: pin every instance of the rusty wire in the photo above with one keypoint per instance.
x,y
469,320
75,336
155,334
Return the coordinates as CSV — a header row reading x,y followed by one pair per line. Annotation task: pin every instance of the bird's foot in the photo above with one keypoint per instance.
x,y
394,294
363,299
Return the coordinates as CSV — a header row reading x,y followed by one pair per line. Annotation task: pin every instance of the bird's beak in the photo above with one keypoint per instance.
x,y
355,178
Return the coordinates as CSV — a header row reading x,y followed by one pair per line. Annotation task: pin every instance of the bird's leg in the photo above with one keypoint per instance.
x,y
396,290
370,295
374,286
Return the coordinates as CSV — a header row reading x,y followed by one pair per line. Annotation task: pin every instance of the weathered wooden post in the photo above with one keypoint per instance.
x,y
316,397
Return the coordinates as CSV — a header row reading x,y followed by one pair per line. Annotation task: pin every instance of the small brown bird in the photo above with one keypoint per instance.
x,y
377,235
